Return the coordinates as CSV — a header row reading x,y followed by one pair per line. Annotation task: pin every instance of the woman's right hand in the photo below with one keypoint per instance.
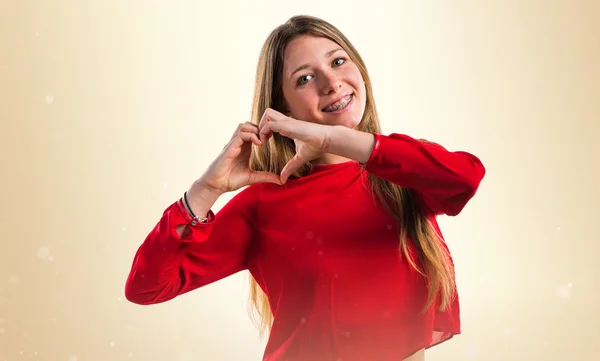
x,y
230,171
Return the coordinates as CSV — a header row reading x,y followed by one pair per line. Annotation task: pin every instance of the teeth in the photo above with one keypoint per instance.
x,y
339,105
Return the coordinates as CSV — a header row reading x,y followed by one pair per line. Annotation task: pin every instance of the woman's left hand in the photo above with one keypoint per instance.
x,y
310,138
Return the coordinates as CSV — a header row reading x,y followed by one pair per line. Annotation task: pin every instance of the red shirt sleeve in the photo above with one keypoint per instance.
x,y
166,265
445,180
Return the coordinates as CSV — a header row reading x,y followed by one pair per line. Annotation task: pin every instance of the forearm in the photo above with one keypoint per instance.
x,y
446,180
350,143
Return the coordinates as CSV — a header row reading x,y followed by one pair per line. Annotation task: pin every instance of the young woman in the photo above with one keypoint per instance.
x,y
336,223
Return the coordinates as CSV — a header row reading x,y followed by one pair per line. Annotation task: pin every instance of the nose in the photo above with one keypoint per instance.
x,y
331,83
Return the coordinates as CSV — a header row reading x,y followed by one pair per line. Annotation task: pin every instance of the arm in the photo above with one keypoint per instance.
x,y
445,180
176,258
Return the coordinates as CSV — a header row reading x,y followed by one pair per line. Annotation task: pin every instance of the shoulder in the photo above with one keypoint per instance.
x,y
249,195
405,137
244,201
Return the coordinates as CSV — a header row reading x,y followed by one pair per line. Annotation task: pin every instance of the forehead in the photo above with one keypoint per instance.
x,y
305,49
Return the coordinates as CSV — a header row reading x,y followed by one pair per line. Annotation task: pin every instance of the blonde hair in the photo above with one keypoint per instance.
x,y
431,253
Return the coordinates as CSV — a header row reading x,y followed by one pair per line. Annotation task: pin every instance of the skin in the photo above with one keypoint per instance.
x,y
325,74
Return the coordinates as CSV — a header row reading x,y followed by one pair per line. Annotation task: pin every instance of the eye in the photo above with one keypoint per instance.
x,y
339,61
304,79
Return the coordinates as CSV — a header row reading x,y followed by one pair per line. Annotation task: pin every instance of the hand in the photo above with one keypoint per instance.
x,y
231,171
310,138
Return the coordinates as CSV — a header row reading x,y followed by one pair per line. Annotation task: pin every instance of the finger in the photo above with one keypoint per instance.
x,y
265,132
264,177
249,127
291,167
264,120
286,129
250,137
271,115
275,115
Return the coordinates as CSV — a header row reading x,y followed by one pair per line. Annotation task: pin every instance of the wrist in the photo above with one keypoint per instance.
x,y
204,190
330,136
350,143
200,195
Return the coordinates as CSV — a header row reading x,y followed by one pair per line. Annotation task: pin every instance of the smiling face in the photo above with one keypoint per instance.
x,y
321,84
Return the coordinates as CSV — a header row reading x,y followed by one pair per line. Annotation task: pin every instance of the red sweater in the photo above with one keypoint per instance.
x,y
324,252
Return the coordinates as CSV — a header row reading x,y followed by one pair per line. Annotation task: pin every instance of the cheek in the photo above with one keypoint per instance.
x,y
304,104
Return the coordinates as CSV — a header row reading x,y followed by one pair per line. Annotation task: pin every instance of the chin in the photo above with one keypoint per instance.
x,y
351,123
349,120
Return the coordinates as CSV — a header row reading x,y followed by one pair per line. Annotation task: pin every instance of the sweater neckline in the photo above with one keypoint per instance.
x,y
332,166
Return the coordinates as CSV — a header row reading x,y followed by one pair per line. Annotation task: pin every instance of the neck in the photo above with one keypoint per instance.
x,y
329,158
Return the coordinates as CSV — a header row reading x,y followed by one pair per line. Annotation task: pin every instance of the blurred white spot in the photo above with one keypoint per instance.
x,y
20,352
50,258
13,279
54,321
112,343
72,358
25,334
43,253
389,227
320,253
34,353
564,291
471,352
558,229
166,185
303,320
130,354
508,332
49,99
347,334
37,34
119,299
546,343
2,330
310,235
56,272
124,228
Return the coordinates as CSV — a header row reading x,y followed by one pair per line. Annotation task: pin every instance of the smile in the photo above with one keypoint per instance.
x,y
340,105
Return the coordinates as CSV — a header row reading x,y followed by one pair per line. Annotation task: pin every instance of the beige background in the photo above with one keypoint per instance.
x,y
110,109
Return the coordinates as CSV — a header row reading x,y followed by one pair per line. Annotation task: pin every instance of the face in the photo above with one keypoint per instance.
x,y
321,84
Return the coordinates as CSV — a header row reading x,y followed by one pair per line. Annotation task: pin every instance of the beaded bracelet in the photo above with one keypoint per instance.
x,y
193,218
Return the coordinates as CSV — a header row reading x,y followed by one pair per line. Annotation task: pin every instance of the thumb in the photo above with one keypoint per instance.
x,y
291,167
263,177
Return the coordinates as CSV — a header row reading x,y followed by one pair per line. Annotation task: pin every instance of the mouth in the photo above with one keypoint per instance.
x,y
339,105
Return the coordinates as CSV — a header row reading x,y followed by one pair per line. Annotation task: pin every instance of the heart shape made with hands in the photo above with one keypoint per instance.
x,y
310,138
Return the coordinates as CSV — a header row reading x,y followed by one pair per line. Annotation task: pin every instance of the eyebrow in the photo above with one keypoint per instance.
x,y
304,66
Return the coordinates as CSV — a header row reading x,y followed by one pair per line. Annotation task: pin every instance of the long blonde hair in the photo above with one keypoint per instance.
x,y
431,253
